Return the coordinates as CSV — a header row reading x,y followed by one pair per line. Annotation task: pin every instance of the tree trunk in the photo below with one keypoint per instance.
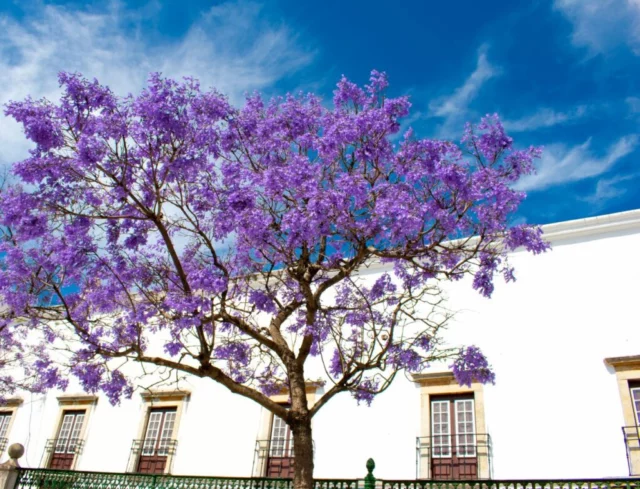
x,y
303,453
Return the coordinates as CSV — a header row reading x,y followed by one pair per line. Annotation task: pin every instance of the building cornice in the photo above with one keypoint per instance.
x,y
592,226
165,395
11,402
69,399
623,363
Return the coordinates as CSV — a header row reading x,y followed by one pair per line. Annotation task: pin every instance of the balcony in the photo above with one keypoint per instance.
x,y
451,457
64,445
152,456
273,458
60,453
632,444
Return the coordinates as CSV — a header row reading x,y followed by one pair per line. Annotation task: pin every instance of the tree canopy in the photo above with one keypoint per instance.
x,y
239,238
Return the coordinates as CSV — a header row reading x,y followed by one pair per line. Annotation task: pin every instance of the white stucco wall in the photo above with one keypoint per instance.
x,y
554,411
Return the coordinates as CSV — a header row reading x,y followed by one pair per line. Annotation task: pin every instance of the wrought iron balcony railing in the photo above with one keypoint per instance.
x,y
274,448
270,448
632,444
64,445
3,444
461,455
164,447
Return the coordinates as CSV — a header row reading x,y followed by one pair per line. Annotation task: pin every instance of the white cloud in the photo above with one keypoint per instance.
x,y
609,188
600,25
634,104
560,164
232,47
544,117
454,108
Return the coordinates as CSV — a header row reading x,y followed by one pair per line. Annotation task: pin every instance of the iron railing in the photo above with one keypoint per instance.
x,y
512,484
166,447
632,445
153,448
3,444
267,448
464,451
64,445
62,479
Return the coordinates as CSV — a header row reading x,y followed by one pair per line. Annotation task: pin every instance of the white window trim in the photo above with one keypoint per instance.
x,y
448,453
633,391
473,433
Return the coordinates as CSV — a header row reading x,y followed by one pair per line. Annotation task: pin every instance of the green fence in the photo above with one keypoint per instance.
x,y
62,479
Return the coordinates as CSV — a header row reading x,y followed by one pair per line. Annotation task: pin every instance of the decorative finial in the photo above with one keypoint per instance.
x,y
15,451
370,466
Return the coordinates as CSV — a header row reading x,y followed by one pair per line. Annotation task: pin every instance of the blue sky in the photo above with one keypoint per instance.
x,y
561,73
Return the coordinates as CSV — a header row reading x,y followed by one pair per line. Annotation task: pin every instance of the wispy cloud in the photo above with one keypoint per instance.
x,y
608,189
633,103
560,164
233,47
600,25
454,108
544,117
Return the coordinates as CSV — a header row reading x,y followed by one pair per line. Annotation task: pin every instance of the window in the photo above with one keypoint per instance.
x,y
63,449
280,460
154,449
5,419
273,456
465,428
67,441
627,372
453,443
635,400
158,442
7,416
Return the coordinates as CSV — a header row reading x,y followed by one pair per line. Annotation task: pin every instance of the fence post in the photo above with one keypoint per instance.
x,y
9,469
369,480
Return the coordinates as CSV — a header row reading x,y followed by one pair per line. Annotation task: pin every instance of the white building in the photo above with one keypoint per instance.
x,y
564,341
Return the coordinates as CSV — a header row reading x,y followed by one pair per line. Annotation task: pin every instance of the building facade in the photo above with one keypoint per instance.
x,y
564,341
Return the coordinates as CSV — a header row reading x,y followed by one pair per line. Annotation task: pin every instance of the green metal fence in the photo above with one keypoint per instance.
x,y
62,479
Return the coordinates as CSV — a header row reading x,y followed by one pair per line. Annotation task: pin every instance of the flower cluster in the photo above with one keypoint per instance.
x,y
472,366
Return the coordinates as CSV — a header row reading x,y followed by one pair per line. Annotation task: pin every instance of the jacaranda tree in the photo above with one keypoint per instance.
x,y
235,239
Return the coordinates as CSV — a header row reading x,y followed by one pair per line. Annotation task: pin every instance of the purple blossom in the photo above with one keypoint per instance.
x,y
366,391
472,366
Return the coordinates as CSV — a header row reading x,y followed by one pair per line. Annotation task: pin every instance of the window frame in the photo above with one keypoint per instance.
x,y
73,415
634,389
448,442
159,399
10,409
286,450
627,375
473,433
440,386
159,437
66,403
261,454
